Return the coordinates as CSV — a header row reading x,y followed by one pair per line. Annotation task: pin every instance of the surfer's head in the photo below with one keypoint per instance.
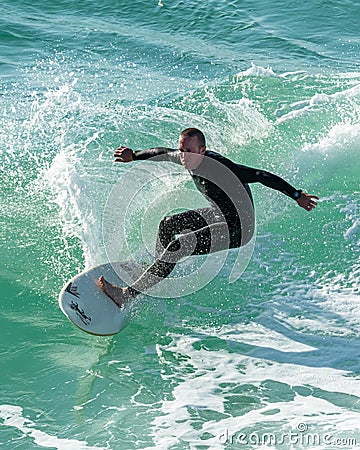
x,y
192,148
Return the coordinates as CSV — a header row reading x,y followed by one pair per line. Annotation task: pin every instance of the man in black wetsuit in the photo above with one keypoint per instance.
x,y
227,223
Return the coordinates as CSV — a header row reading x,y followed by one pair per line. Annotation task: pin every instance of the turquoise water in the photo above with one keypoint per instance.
x,y
267,358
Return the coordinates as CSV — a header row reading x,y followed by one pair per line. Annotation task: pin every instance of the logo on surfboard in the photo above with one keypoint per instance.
x,y
72,289
80,313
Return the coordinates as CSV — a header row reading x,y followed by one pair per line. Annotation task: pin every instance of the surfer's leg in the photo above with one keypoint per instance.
x,y
166,244
182,223
212,237
209,239
116,293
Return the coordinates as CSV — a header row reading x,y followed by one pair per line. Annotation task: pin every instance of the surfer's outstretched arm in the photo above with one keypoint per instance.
x,y
125,154
307,201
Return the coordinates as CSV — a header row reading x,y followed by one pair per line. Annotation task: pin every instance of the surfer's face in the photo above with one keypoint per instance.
x,y
191,153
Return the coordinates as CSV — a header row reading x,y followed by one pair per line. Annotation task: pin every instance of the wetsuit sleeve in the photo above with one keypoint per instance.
x,y
251,175
158,153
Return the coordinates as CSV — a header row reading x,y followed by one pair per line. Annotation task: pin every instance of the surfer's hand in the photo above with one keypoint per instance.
x,y
123,154
307,201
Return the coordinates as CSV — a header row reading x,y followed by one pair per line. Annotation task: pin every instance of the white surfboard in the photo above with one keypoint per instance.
x,y
88,307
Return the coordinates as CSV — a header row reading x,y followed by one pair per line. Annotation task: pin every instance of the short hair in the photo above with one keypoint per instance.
x,y
191,132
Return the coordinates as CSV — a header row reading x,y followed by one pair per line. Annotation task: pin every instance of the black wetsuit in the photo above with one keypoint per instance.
x,y
229,220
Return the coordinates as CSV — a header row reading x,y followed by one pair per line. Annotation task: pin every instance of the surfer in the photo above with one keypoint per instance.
x,y
227,223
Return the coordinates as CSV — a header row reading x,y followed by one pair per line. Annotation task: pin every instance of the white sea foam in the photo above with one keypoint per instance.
x,y
12,416
317,101
213,380
257,71
77,209
300,349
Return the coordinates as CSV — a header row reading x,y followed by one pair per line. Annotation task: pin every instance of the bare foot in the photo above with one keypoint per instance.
x,y
116,293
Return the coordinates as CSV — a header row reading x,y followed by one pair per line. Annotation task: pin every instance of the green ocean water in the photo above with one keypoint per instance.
x,y
268,359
